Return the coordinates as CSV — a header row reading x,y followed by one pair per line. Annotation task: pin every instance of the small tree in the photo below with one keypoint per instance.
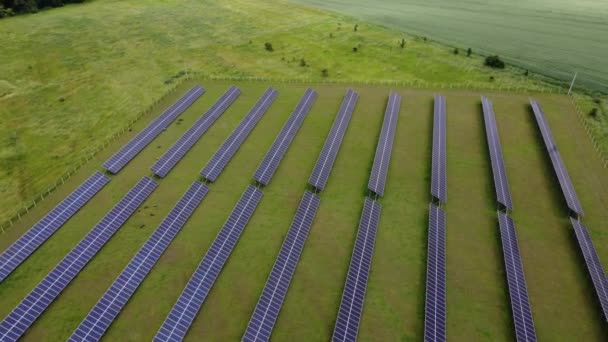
x,y
356,27
402,44
302,62
469,52
325,73
268,47
494,62
456,51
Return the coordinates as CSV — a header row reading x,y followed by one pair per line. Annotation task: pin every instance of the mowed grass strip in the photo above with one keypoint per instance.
x,y
563,302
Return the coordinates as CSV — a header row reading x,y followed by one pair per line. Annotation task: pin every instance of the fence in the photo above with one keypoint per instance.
x,y
583,121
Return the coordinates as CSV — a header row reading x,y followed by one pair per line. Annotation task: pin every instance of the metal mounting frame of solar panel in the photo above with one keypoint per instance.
x,y
353,295
178,150
176,324
109,306
141,140
501,184
439,162
435,304
556,159
21,249
267,309
224,154
516,280
320,174
34,304
279,147
377,180
594,266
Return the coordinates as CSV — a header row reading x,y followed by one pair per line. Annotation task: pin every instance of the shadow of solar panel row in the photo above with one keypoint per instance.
x,y
518,290
596,271
267,309
439,170
353,295
320,173
280,145
435,305
176,152
223,155
556,159
112,302
501,185
21,249
141,140
377,180
22,316
184,311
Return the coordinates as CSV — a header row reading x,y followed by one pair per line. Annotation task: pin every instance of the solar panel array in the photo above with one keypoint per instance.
x,y
503,194
111,303
377,180
267,309
182,315
141,140
21,249
353,295
518,290
223,155
435,304
22,316
596,271
328,155
176,152
556,159
439,172
279,147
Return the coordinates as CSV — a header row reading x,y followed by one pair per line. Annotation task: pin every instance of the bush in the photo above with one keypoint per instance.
x,y
325,73
593,113
302,62
355,49
402,44
469,52
456,51
494,62
526,73
356,27
6,12
268,47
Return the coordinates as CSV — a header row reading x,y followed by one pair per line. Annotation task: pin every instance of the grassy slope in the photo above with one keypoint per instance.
x,y
478,308
108,60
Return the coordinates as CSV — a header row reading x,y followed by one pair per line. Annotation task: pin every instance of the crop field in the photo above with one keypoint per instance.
x,y
551,37
563,301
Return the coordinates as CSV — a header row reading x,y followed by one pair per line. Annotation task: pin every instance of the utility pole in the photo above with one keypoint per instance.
x,y
572,84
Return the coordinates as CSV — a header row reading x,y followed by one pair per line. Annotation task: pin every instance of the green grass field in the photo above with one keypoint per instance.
x,y
74,76
562,298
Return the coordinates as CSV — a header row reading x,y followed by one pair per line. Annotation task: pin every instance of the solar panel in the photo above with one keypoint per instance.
x,y
182,315
518,290
223,155
111,303
32,306
353,295
503,194
435,308
176,152
439,172
279,147
377,180
556,159
141,140
596,271
268,306
21,249
328,155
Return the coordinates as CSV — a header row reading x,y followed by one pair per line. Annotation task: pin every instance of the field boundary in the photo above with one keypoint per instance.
x,y
581,117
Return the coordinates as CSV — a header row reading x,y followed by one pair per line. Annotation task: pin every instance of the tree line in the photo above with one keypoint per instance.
x,y
14,7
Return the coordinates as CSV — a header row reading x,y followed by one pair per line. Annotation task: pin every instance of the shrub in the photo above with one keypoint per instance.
x,y
469,52
402,44
268,47
355,49
302,62
526,73
356,27
456,51
325,73
491,78
494,62
593,113
331,35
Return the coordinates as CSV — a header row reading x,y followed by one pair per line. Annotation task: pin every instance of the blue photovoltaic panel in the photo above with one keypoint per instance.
x,y
182,315
267,310
518,290
328,155
278,149
503,194
435,308
141,140
377,180
353,295
32,306
21,249
556,159
111,303
223,155
596,271
439,170
176,152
